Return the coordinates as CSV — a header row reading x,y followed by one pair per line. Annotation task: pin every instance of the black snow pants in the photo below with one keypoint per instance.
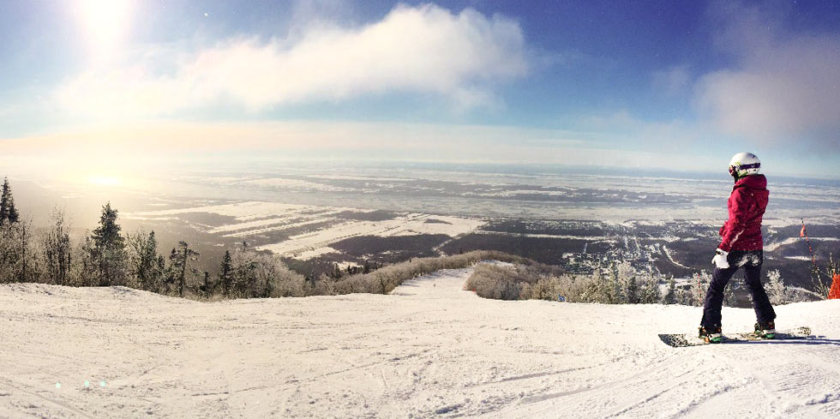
x,y
751,262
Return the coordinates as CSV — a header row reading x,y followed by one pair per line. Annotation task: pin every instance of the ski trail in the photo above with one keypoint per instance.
x,y
49,400
430,348
671,258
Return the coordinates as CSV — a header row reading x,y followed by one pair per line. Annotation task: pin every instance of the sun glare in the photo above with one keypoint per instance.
x,y
105,23
104,181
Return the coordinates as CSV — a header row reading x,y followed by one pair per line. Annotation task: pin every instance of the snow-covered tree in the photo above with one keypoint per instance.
x,y
649,292
107,251
699,286
18,261
143,257
597,288
617,285
671,294
684,297
776,289
260,275
57,250
629,286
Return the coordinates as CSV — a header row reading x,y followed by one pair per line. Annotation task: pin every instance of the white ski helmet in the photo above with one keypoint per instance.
x,y
743,164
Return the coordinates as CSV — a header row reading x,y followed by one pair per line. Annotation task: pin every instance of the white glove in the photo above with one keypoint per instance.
x,y
720,259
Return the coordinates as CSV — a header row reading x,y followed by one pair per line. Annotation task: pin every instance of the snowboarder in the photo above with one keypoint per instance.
x,y
741,246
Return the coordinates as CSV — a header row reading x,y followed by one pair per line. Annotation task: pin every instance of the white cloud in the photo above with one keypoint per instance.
x,y
673,80
425,49
785,88
623,128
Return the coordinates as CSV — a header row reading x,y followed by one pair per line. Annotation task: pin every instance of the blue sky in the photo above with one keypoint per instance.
x,y
653,84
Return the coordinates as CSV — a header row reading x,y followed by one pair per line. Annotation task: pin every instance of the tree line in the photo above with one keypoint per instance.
x,y
616,283
108,257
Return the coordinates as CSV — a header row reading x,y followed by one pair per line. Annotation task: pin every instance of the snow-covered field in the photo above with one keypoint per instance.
x,y
526,192
429,349
328,226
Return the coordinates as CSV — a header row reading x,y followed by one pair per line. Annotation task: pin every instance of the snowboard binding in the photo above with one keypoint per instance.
x,y
710,335
765,330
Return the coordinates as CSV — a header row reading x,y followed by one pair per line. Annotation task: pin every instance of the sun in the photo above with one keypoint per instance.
x,y
105,23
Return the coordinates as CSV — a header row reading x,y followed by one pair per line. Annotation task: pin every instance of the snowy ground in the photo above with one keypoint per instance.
x,y
429,349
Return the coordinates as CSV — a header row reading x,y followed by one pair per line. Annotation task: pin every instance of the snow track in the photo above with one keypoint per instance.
x,y
429,349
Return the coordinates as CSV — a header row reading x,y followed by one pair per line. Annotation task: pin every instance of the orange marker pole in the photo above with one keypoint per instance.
x,y
804,233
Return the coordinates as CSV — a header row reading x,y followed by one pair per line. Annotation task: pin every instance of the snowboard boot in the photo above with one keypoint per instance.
x,y
711,335
766,330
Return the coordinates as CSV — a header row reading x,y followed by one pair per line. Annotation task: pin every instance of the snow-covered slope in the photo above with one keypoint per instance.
x,y
429,349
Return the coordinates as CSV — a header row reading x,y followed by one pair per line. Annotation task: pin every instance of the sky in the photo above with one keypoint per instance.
x,y
116,85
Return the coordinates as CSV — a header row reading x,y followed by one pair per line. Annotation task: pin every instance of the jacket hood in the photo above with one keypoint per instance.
x,y
753,182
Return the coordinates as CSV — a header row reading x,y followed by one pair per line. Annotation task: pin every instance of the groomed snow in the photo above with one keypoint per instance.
x,y
429,349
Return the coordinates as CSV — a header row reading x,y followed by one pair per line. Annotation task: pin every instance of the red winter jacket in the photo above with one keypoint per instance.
x,y
742,231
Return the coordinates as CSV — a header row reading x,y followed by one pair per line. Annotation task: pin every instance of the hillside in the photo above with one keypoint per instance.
x,y
428,349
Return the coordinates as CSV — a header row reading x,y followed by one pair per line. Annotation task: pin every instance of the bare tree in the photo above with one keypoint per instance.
x,y
180,260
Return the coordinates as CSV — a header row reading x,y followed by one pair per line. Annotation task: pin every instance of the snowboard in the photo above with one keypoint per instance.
x,y
680,340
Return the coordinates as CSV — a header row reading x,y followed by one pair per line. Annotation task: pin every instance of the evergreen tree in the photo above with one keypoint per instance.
x,y
171,273
650,292
8,212
671,295
150,255
108,232
89,275
632,291
161,275
596,288
244,278
226,274
616,288
108,250
7,255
